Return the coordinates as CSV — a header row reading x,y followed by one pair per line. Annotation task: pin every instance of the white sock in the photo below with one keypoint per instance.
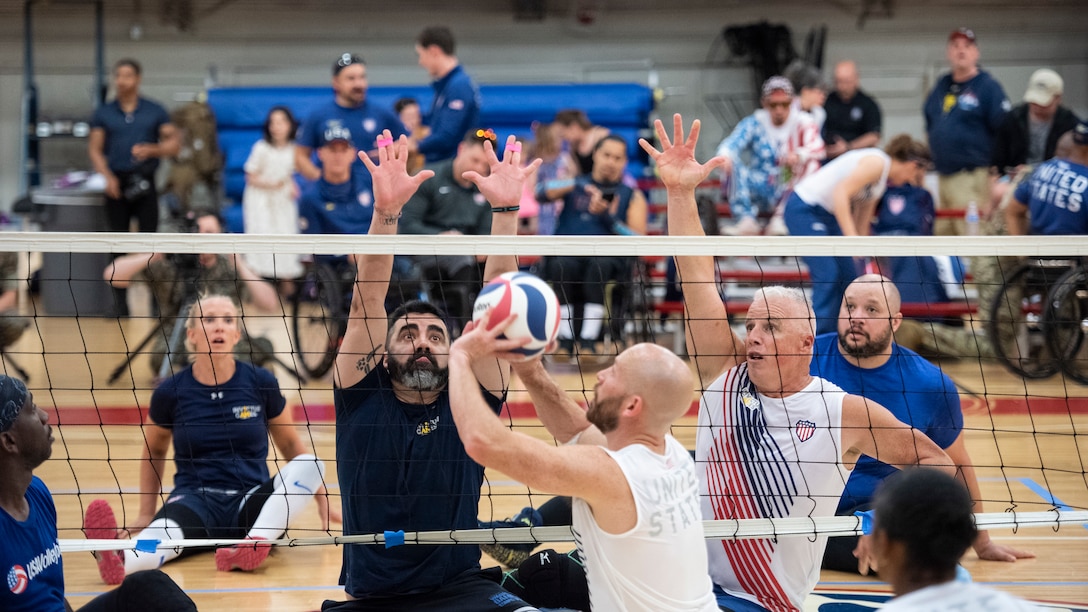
x,y
592,320
160,529
566,330
295,486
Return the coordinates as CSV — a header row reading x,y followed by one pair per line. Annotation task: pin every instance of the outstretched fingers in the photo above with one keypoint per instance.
x,y
693,137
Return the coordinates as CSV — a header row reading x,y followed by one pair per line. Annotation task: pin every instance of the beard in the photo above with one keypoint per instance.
x,y
870,348
419,375
605,413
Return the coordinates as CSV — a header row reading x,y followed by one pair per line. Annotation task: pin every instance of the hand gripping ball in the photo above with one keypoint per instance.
x,y
533,301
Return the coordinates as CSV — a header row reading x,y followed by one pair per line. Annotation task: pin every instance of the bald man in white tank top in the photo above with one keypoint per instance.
x,y
636,514
773,441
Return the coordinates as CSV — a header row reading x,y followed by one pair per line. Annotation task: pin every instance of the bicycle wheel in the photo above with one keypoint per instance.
x,y
318,319
1017,327
1067,323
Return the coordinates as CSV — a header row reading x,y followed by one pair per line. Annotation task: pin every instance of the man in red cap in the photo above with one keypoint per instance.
x,y
963,113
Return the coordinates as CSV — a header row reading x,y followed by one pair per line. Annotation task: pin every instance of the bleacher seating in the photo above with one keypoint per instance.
x,y
624,108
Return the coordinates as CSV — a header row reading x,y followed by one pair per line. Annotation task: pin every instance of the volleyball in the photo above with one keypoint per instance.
x,y
531,299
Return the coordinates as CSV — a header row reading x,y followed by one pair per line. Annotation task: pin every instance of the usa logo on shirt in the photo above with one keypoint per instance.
x,y
18,579
896,204
804,430
457,104
369,124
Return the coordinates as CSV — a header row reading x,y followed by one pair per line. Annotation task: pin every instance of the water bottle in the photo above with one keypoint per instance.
x,y
972,218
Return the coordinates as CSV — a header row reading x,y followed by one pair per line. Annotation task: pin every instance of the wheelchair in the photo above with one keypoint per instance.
x,y
322,302
1039,319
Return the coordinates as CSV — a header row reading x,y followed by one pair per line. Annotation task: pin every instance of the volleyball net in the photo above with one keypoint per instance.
x,y
1009,331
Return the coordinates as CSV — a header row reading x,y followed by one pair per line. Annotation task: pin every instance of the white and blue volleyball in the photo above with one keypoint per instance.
x,y
534,302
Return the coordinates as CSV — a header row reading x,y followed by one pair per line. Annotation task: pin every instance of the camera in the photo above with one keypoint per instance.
x,y
136,187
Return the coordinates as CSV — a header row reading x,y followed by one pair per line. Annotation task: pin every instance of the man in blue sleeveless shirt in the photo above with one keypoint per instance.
x,y
861,358
30,557
401,463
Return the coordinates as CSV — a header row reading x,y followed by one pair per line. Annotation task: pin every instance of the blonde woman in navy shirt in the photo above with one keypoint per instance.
x,y
219,414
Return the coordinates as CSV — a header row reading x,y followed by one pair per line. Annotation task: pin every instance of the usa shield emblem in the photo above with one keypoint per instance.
x,y
896,204
804,429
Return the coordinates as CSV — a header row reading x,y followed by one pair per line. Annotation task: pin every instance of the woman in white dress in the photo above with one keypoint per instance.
x,y
270,201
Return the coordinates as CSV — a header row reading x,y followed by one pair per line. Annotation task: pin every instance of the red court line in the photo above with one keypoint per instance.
x,y
326,413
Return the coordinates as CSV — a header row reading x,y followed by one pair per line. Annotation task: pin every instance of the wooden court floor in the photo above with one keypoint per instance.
x,y
1031,457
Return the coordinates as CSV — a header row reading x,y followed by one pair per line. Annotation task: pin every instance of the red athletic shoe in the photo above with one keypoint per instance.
x,y
246,557
99,523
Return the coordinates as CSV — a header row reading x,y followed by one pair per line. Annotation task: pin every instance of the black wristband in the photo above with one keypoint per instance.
x,y
506,209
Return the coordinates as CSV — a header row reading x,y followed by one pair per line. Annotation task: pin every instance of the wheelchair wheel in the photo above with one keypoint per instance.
x,y
318,319
1067,323
1018,325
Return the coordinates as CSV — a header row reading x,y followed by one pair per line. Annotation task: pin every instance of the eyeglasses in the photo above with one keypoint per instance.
x,y
487,134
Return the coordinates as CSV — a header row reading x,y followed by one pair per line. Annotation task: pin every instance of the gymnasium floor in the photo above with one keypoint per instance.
x,y
72,357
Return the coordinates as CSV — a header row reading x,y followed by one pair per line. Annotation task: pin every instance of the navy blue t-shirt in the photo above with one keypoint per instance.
x,y
576,220
911,388
123,130
403,467
220,433
364,122
962,120
30,556
1055,195
455,111
905,210
346,208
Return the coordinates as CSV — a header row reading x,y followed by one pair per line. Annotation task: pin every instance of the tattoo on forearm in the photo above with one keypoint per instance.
x,y
366,364
388,219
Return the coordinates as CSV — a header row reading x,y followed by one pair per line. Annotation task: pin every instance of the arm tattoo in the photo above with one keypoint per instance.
x,y
366,364
388,219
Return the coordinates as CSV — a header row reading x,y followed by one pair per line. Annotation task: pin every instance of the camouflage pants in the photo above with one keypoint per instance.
x,y
251,349
12,326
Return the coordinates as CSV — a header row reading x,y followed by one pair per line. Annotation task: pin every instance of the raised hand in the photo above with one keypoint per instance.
x,y
503,186
675,161
393,186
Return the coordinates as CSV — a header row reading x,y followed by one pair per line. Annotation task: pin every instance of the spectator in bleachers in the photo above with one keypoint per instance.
x,y
595,204
128,138
1031,130
1055,195
456,107
270,201
839,200
580,136
853,117
450,204
766,155
963,113
412,117
907,209
547,146
348,109
811,91
340,201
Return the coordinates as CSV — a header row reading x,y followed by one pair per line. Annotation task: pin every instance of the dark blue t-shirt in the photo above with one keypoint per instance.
x,y
455,111
911,388
403,467
962,120
905,210
220,433
576,220
30,556
1055,195
346,208
123,130
364,122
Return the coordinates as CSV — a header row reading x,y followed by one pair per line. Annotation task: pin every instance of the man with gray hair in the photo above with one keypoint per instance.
x,y
773,441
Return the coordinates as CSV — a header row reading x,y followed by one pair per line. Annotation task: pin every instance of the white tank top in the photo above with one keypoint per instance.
x,y
761,457
660,564
816,188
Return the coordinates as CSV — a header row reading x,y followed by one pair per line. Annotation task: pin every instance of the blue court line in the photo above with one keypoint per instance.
x,y
1047,496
